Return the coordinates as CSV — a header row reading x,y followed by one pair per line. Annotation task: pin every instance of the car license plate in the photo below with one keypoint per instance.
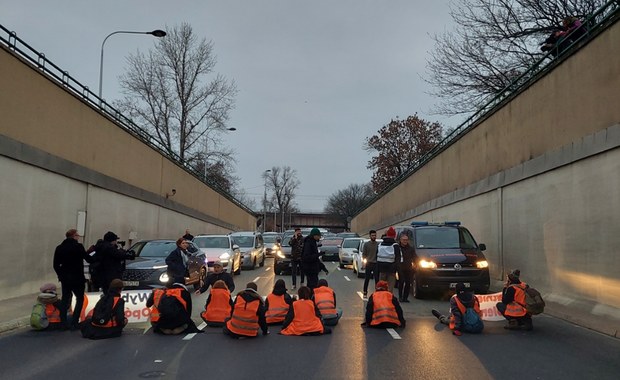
x,y
453,285
131,283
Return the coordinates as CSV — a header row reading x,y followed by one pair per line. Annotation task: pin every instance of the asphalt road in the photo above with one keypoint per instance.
x,y
424,350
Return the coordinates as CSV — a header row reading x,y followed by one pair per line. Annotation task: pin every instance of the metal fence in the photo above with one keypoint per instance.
x,y
70,84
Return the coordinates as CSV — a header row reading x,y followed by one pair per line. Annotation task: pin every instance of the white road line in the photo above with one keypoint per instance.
x,y
189,336
361,295
347,278
146,330
157,361
266,269
393,333
202,326
256,279
338,268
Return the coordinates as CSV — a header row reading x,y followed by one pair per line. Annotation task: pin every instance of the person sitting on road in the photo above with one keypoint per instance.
x,y
47,315
303,317
171,310
248,315
325,300
218,306
107,319
218,274
277,303
383,309
462,300
512,306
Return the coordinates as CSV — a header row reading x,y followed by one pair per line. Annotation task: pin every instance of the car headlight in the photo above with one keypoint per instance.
x,y
160,266
427,264
364,261
225,256
281,255
164,278
482,264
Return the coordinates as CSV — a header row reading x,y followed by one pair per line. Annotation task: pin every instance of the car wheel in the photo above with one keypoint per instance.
x,y
253,264
201,278
354,268
341,265
417,292
238,271
262,263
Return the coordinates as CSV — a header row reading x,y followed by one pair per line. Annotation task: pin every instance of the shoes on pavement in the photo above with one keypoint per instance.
x,y
456,332
436,314
513,324
405,300
365,294
294,287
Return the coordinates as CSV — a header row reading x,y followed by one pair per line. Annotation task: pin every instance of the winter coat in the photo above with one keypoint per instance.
x,y
69,261
177,265
112,260
310,256
213,277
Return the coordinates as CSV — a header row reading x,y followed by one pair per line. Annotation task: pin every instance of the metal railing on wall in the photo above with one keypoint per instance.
x,y
61,77
594,24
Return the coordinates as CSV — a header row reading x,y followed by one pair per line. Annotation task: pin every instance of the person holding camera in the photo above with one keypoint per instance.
x,y
177,262
311,258
113,258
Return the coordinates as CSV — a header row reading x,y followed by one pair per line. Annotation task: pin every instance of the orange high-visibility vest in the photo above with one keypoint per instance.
x,y
324,300
244,318
219,307
517,307
53,313
305,320
157,293
383,308
176,292
112,321
278,308
462,309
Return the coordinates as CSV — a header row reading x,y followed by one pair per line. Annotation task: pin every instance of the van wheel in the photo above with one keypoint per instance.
x,y
417,292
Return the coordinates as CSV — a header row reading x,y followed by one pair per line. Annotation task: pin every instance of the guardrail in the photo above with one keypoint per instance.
x,y
594,24
70,84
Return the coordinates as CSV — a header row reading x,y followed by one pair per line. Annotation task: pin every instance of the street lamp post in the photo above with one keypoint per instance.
x,y
265,200
156,33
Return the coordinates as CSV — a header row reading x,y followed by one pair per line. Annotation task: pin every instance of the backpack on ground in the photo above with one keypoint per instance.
x,y
38,318
471,322
534,303
102,313
169,309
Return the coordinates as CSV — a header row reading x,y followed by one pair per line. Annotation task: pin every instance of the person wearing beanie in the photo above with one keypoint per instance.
x,y
46,312
217,275
383,309
248,315
69,259
513,301
108,317
388,258
112,259
277,303
311,258
462,299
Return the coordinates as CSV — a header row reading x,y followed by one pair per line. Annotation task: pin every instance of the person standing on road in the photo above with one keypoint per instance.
x,y
112,259
177,262
388,257
248,315
406,267
69,266
277,303
297,246
383,309
512,306
188,236
303,317
311,258
369,254
217,275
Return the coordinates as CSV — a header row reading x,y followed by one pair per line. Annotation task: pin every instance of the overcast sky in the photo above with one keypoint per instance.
x,y
315,77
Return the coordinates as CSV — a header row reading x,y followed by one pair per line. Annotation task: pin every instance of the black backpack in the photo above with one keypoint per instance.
x,y
169,308
102,313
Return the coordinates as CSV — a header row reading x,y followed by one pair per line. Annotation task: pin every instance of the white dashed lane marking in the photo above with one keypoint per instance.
x,y
256,279
189,336
393,333
338,268
361,295
266,269
202,326
347,278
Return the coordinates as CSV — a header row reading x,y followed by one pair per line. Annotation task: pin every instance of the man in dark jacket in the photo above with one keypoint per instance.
x,y
311,258
177,262
406,267
297,247
112,259
218,274
69,266
241,326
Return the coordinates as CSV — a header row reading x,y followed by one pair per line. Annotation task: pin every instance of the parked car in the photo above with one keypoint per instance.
x,y
359,262
347,234
252,248
270,243
345,253
330,247
148,270
447,254
282,258
219,248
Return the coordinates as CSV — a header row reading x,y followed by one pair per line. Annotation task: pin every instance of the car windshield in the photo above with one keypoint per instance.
x,y
351,243
158,248
440,237
244,241
331,241
211,242
269,239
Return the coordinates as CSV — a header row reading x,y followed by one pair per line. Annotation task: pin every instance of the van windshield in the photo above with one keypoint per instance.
x,y
442,238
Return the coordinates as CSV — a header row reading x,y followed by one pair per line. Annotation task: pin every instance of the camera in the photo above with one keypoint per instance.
x,y
121,243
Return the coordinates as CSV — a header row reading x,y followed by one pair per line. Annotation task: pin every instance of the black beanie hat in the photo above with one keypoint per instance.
x,y
110,236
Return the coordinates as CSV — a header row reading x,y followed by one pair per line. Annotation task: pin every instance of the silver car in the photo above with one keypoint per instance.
x,y
359,264
252,249
346,252
219,248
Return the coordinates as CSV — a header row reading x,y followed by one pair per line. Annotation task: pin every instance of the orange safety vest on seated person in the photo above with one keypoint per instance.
x,y
112,321
219,307
53,313
517,307
383,308
462,309
324,300
305,320
278,308
244,320
154,315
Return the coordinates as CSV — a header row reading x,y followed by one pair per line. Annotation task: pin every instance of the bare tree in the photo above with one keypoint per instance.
x,y
282,182
344,203
495,41
399,145
173,91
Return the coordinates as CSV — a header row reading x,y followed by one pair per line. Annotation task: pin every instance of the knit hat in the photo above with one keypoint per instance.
x,y
218,262
460,287
116,284
514,275
48,288
314,232
381,285
110,236
391,232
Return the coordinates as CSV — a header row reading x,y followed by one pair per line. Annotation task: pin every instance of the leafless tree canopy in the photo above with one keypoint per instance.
x,y
398,146
494,42
173,91
282,183
346,202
